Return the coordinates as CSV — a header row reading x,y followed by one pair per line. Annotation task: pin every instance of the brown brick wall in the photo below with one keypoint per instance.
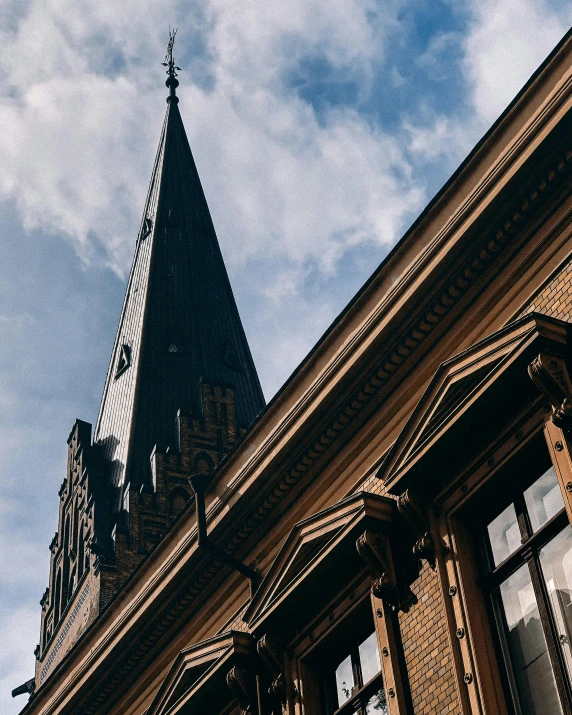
x,y
427,653
555,297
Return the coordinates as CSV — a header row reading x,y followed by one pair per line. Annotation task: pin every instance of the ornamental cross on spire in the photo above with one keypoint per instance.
x,y
172,82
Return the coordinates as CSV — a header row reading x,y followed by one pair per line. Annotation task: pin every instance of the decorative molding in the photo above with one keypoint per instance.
x,y
410,507
243,687
311,552
269,653
63,633
390,583
375,550
196,677
459,404
550,374
432,314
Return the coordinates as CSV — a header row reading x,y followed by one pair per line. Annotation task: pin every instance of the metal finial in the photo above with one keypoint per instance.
x,y
172,82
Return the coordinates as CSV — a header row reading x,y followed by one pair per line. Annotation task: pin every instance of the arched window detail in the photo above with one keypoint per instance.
x,y
80,555
203,464
57,598
66,564
67,534
74,543
72,584
178,499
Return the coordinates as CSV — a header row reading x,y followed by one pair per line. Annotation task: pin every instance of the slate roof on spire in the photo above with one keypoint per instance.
x,y
179,324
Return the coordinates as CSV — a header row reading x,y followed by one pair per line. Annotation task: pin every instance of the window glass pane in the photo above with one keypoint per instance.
x,y
556,561
377,705
369,658
543,499
504,534
529,657
344,680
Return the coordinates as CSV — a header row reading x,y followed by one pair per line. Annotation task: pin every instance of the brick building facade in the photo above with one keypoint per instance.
x,y
392,532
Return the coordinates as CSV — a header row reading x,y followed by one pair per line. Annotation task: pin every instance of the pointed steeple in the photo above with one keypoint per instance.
x,y
179,325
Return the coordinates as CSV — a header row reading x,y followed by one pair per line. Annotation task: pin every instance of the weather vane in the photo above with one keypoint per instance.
x,y
172,82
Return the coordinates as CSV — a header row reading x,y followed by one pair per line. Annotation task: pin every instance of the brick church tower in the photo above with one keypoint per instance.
x,y
180,390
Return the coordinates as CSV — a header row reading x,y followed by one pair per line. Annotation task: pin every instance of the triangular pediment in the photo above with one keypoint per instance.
x,y
198,674
312,541
460,383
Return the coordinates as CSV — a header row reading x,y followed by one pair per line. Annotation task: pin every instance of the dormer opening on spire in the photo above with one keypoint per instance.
x,y
123,360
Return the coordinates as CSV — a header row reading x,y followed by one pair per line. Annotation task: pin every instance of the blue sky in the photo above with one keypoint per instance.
x,y
320,131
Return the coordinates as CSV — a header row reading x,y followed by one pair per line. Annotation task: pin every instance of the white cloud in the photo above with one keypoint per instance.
x,y
507,41
442,138
24,563
18,630
278,181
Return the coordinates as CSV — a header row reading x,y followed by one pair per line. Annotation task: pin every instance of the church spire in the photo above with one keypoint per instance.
x,y
179,327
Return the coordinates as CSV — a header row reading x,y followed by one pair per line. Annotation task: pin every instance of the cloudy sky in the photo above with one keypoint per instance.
x,y
320,130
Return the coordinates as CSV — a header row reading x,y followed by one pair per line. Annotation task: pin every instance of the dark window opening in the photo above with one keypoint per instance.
x,y
177,501
123,361
230,358
147,226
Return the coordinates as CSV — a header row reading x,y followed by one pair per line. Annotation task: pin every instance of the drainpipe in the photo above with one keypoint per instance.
x,y
198,484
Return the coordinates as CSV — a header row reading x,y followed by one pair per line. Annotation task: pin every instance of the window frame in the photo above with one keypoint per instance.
x,y
361,692
339,617
482,675
527,554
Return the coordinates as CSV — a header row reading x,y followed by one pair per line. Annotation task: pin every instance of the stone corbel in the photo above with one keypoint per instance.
x,y
375,549
270,655
243,687
550,374
411,510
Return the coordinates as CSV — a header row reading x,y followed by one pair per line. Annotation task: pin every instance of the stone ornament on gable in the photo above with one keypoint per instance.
x,y
550,374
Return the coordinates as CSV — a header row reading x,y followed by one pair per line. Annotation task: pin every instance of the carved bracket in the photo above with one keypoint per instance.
x,y
550,374
271,657
242,685
410,508
375,549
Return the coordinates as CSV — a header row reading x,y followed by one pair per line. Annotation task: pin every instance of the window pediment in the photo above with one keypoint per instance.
x,y
320,549
196,682
470,398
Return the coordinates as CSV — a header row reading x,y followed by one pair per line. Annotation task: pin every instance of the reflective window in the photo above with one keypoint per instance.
x,y
527,646
543,499
504,534
345,681
529,546
356,685
369,658
556,561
